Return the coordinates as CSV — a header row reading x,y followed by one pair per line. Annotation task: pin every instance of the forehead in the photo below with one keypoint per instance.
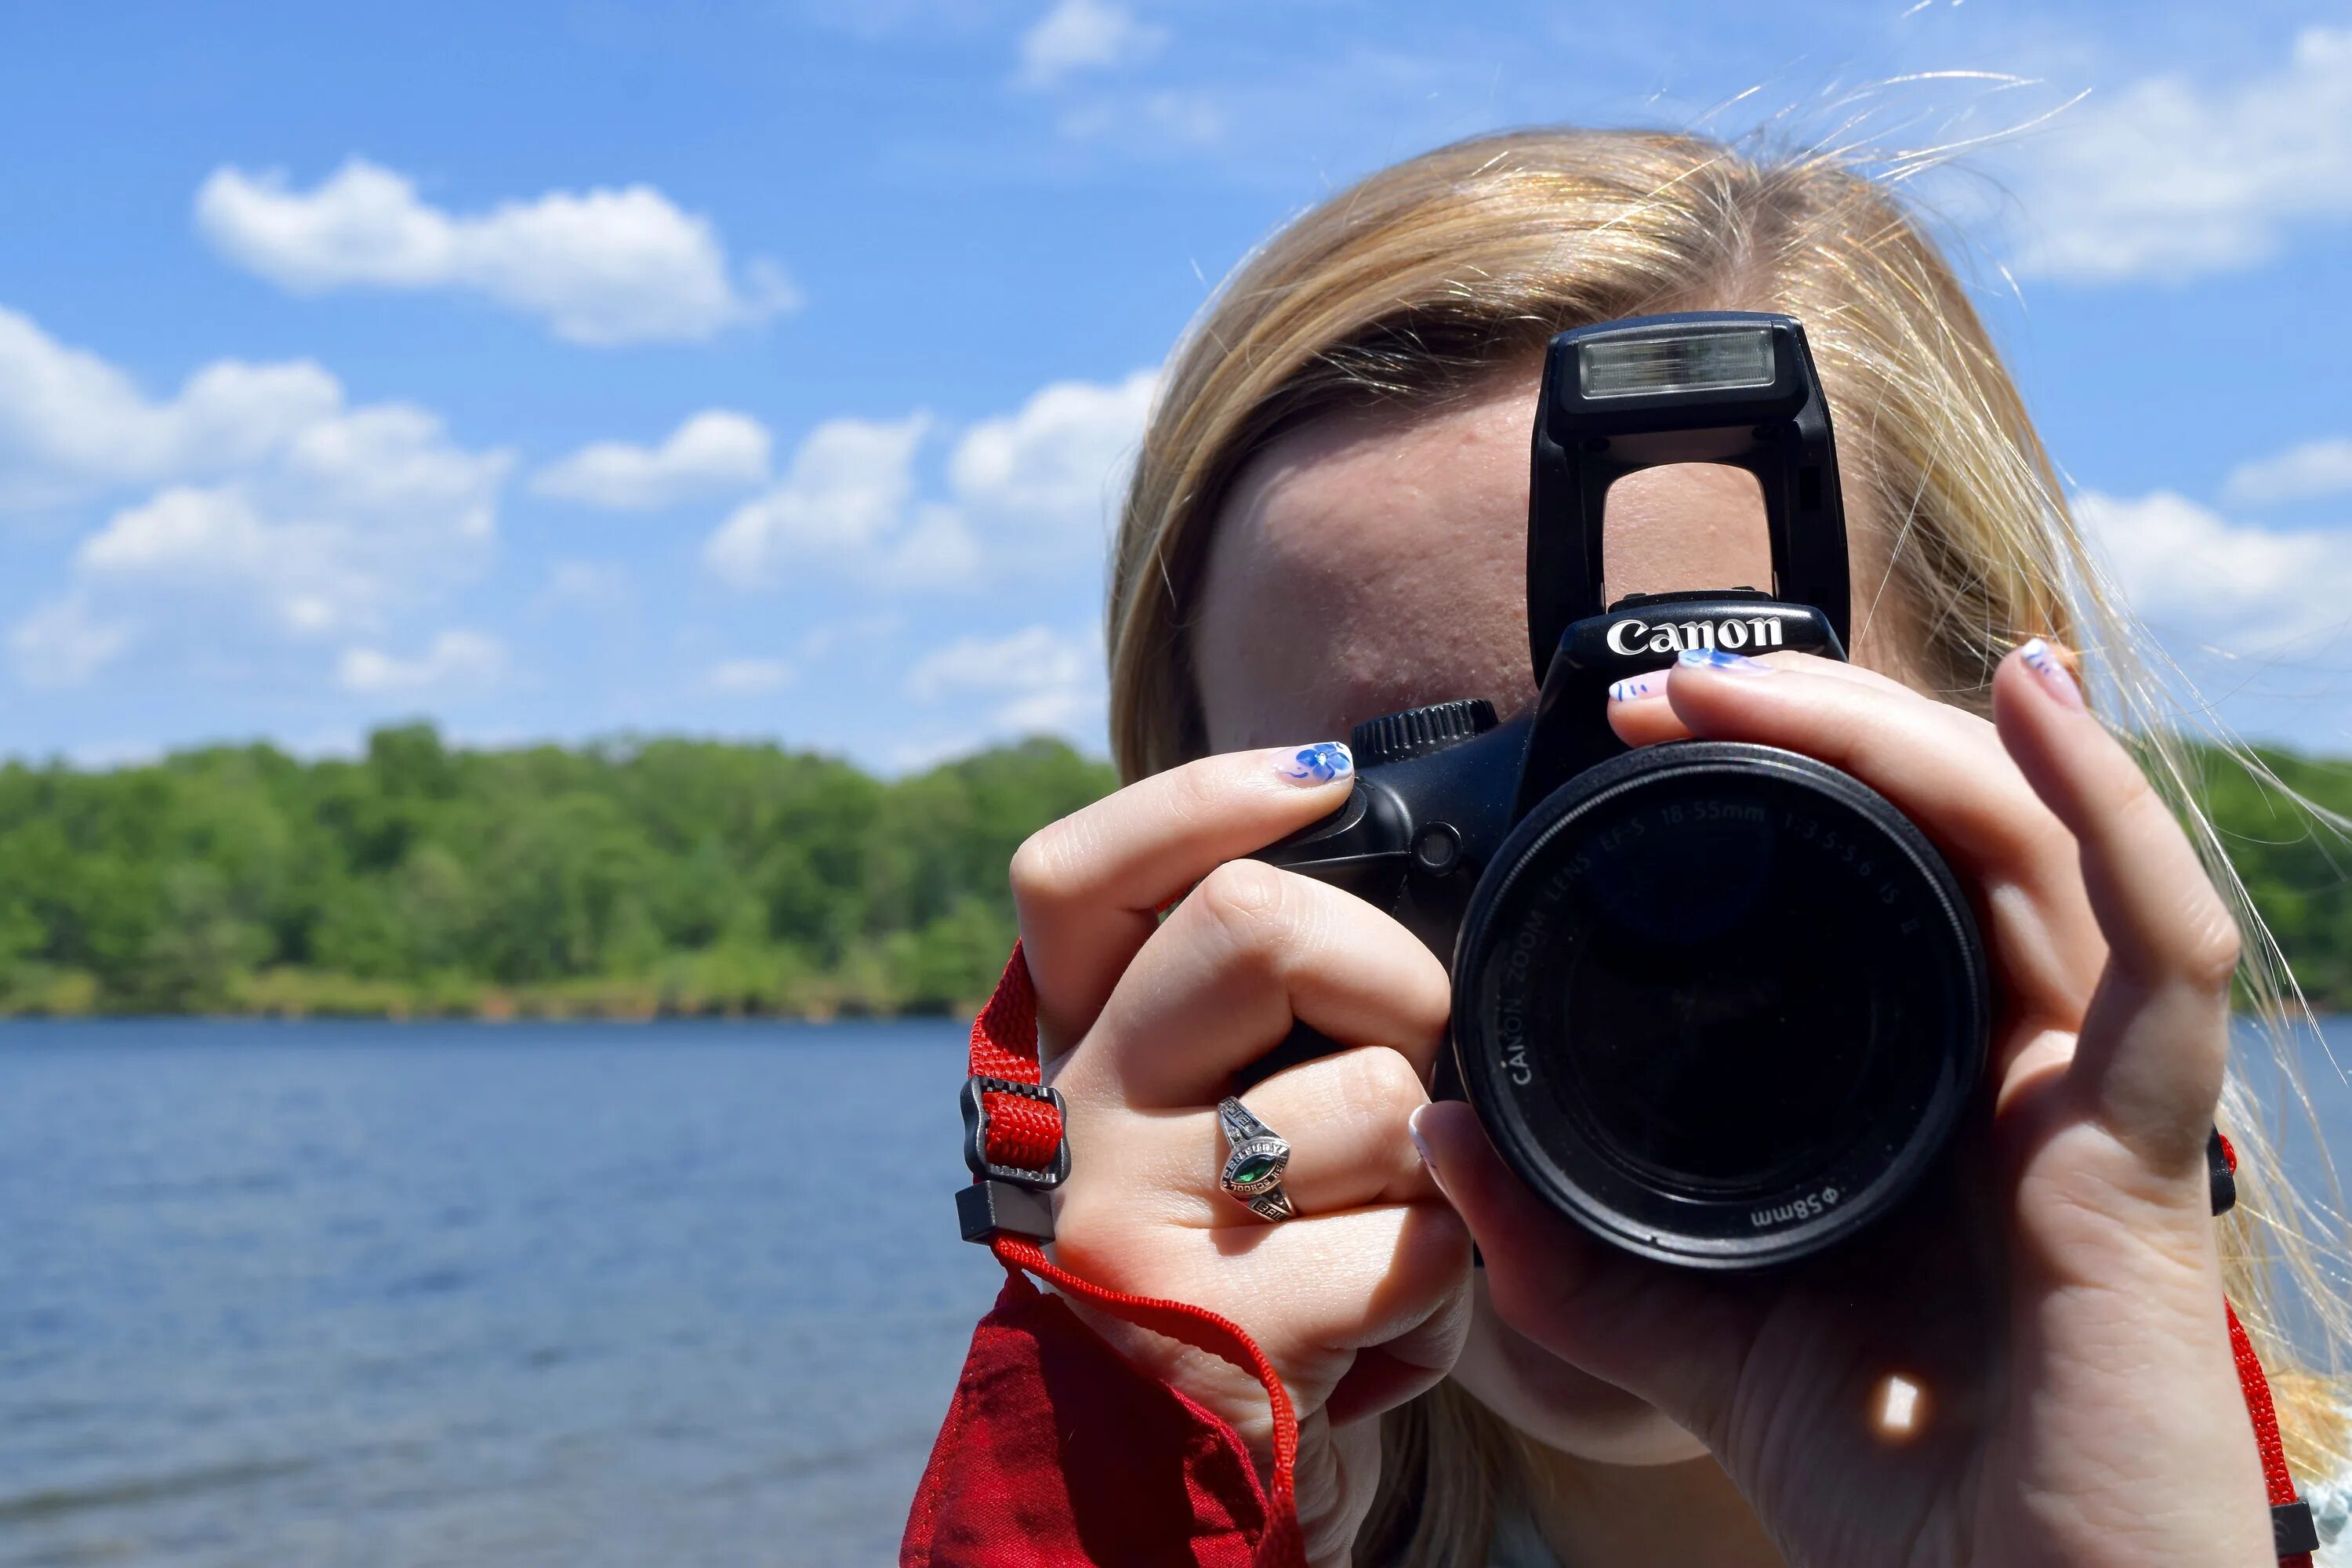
x,y
1376,559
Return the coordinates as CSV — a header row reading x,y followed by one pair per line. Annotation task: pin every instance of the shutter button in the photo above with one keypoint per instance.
x,y
1437,848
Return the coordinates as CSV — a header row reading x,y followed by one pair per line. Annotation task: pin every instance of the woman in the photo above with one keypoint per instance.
x,y
1328,523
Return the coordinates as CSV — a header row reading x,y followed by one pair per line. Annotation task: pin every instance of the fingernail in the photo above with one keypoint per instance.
x,y
1715,659
1413,1125
1637,688
2044,661
1316,764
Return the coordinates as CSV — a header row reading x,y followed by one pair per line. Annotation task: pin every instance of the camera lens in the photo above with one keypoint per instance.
x,y
1719,1003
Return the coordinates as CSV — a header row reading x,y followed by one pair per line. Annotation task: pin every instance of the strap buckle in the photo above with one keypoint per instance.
x,y
975,1134
1007,1197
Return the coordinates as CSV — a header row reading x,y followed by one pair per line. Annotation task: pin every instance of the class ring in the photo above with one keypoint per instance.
x,y
1256,1157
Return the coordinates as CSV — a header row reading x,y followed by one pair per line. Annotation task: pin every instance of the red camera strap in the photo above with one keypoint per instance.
x,y
1020,1132
2295,1529
1025,1132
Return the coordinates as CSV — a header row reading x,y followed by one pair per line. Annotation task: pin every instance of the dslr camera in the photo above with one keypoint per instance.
x,y
1719,1004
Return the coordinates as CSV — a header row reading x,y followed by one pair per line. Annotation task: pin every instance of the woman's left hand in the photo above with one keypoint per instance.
x,y
2062,1318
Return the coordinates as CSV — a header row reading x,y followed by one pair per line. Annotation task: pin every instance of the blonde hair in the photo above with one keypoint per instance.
x,y
1415,283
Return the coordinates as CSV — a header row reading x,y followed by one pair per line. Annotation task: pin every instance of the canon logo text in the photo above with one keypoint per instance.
x,y
1678,636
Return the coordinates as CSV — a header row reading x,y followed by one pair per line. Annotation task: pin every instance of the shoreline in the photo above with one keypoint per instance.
x,y
535,1012
776,988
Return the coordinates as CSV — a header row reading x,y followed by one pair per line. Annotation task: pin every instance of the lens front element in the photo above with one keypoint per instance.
x,y
1720,1003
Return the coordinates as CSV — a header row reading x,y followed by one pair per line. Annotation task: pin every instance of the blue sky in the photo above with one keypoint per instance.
x,y
561,370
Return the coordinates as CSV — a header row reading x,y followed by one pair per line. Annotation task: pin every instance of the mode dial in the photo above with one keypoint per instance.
x,y
1417,731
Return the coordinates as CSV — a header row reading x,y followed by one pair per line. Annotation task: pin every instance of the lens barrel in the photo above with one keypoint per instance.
x,y
1720,1004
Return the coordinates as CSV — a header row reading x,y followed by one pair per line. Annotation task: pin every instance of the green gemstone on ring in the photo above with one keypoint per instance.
x,y
1256,1169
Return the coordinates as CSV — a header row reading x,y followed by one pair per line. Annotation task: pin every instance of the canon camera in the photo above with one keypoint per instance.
x,y
1720,1004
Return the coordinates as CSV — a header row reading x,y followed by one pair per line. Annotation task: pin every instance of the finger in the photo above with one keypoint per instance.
x,y
1675,1341
1948,771
1395,1275
1640,713
1311,1291
1089,886
1251,950
1384,1377
1944,768
2152,1053
1348,1121
1347,1117
1374,1304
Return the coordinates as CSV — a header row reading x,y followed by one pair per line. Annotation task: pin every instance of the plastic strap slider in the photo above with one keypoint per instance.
x,y
984,1208
2292,1529
975,1134
2220,1173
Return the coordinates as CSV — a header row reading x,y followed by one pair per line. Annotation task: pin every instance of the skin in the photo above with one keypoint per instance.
x,y
2060,1303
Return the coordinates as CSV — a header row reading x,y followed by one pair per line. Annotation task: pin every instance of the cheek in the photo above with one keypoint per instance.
x,y
1561,1406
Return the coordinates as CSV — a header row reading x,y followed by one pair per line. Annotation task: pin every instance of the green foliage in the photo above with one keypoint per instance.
x,y
626,878
2297,867
667,876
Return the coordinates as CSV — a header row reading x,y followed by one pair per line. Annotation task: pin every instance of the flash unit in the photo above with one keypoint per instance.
x,y
1704,362
1701,386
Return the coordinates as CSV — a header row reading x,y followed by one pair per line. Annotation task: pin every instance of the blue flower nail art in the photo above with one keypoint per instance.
x,y
1319,764
1635,687
1715,659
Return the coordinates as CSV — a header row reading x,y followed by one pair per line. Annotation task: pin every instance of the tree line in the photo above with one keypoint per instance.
x,y
637,877
623,879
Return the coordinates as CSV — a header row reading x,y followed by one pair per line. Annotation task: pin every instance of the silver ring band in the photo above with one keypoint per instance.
x,y
1255,1161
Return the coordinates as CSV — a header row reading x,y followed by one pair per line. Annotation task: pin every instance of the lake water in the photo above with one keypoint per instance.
x,y
603,1297
449,1294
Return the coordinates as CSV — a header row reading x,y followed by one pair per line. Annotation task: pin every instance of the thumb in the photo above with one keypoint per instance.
x,y
1677,1339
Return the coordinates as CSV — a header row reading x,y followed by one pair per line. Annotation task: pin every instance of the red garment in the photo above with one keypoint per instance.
x,y
1056,1452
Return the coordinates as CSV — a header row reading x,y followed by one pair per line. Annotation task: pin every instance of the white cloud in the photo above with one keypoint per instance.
x,y
711,452
63,643
453,659
1036,680
359,513
73,425
1085,35
607,266
847,502
1034,488
2314,469
747,677
279,505
2187,570
2172,179
1058,462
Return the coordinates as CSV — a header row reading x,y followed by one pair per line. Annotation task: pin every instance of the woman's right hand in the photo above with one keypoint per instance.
x,y
1362,1301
